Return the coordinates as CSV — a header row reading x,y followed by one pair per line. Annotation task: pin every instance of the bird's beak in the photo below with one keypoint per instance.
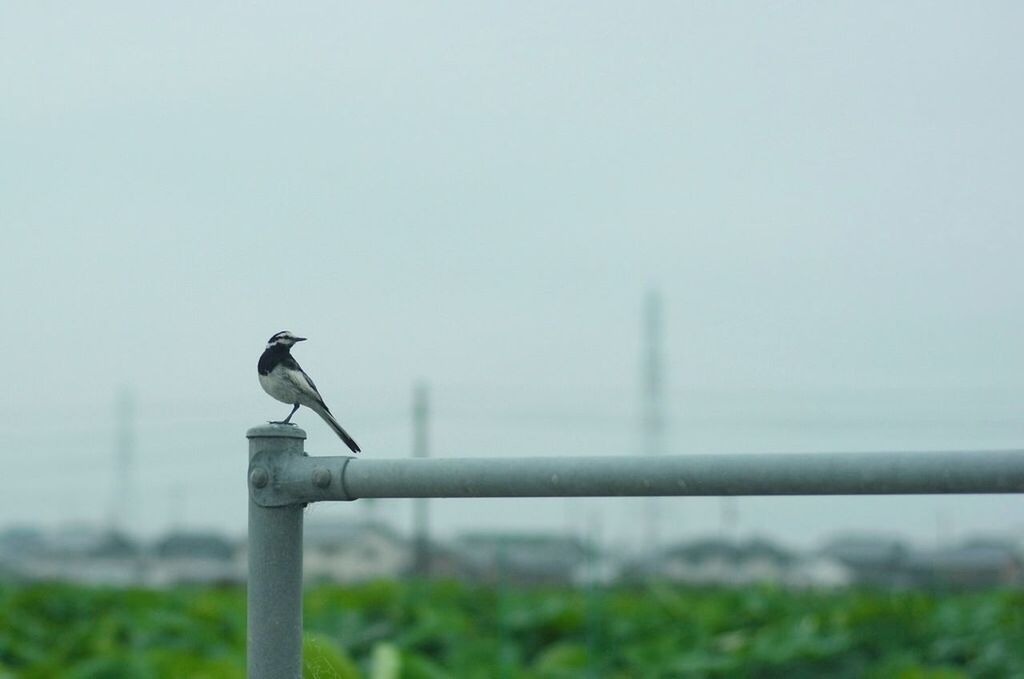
x,y
300,339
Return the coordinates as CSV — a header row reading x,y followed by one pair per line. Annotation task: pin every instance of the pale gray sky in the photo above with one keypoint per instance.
x,y
827,195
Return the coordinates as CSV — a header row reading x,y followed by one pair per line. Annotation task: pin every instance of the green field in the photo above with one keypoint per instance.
x,y
426,630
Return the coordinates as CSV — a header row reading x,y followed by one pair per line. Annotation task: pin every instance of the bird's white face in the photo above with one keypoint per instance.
x,y
284,338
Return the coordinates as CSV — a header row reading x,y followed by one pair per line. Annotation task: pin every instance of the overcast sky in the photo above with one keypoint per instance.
x,y
828,196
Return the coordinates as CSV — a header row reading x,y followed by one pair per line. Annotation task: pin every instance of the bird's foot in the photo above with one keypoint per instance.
x,y
290,424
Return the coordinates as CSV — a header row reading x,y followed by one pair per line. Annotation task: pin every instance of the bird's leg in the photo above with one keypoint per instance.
x,y
287,420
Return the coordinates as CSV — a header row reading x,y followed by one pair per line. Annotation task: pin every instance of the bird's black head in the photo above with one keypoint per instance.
x,y
283,340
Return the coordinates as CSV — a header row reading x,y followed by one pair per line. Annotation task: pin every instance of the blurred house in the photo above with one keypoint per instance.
x,y
528,558
194,558
17,544
713,561
82,554
976,563
872,559
447,562
817,571
351,552
17,541
721,562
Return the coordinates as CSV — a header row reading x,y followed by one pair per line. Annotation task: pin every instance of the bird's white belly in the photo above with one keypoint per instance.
x,y
278,385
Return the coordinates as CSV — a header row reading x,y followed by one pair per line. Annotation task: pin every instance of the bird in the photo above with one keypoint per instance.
x,y
283,378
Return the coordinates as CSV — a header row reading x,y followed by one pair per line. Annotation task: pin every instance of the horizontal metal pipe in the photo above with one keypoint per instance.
x,y
310,479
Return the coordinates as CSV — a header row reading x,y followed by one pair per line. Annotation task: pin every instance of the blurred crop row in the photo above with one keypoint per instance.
x,y
391,630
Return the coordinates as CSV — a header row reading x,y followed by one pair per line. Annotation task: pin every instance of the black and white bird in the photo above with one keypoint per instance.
x,y
282,378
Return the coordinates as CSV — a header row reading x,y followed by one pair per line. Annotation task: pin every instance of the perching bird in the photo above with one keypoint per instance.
x,y
282,378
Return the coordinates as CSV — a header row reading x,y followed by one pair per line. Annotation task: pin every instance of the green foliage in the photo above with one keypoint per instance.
x,y
323,659
388,630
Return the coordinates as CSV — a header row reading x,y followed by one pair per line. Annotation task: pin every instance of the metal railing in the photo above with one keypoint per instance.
x,y
283,479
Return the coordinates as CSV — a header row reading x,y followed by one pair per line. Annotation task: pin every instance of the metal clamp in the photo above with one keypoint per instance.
x,y
280,479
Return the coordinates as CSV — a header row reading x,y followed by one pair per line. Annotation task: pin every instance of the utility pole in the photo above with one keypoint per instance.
x,y
177,507
124,461
653,417
420,506
729,516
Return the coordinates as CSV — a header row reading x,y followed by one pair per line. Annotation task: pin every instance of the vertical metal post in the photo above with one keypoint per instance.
x,y
274,596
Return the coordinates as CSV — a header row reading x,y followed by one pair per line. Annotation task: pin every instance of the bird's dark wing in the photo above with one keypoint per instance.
x,y
312,386
303,381
305,384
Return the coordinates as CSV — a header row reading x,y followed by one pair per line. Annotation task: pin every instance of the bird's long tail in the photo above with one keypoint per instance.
x,y
323,412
